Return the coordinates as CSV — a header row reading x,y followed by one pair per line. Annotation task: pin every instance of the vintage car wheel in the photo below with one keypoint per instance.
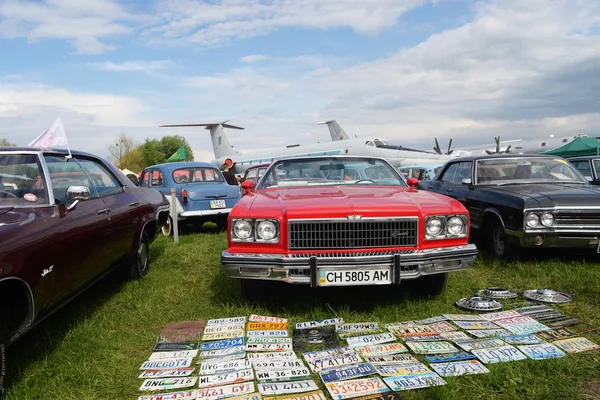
x,y
141,261
431,285
167,229
498,245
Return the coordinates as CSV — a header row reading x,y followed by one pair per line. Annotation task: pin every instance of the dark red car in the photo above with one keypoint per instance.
x,y
65,223
253,174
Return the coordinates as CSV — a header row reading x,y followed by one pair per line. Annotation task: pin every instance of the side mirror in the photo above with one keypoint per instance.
x,y
466,181
76,194
412,182
248,185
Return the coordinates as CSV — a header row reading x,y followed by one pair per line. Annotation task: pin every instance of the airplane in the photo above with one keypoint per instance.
x,y
523,146
364,146
515,146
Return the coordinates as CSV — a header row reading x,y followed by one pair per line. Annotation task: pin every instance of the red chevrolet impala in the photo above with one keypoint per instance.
x,y
345,220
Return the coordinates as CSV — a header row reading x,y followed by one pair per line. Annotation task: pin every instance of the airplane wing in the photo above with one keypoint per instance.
x,y
207,125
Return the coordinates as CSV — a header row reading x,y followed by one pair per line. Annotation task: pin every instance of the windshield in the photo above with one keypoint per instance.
x,y
526,170
331,171
191,175
21,181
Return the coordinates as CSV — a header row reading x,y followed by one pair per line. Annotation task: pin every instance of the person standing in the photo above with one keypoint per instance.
x,y
229,177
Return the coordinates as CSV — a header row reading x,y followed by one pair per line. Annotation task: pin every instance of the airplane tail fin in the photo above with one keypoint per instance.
x,y
336,131
222,147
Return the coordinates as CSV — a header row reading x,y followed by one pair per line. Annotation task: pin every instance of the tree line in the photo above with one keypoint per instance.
x,y
127,153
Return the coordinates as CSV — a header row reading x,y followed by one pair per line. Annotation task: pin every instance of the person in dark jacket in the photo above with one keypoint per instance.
x,y
229,177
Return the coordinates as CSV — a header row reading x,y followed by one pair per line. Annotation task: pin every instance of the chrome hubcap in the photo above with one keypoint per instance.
x,y
143,256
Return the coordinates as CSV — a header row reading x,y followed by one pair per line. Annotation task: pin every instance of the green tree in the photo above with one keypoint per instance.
x,y
132,160
5,142
157,151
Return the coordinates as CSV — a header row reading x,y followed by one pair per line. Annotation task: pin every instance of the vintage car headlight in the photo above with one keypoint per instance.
x,y
242,229
455,226
446,227
532,220
267,230
434,226
547,219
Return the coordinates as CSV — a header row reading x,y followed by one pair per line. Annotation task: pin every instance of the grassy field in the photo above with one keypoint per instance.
x,y
93,347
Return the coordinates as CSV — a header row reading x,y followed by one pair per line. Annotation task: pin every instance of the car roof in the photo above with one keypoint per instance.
x,y
339,156
51,151
584,158
182,164
495,156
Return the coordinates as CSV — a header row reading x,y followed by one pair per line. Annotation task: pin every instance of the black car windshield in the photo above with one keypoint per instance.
x,y
331,171
192,175
21,181
502,171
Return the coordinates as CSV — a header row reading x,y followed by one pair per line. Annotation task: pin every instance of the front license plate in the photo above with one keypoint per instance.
x,y
347,277
217,204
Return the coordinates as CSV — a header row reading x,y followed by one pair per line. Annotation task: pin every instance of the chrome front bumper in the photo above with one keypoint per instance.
x,y
556,238
204,213
304,268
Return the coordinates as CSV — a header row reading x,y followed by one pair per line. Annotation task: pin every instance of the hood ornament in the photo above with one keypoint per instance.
x,y
354,217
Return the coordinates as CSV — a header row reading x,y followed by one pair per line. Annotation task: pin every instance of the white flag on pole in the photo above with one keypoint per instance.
x,y
54,136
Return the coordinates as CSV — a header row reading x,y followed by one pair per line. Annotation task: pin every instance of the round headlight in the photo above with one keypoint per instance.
x,y
547,219
434,227
242,229
532,220
455,226
266,230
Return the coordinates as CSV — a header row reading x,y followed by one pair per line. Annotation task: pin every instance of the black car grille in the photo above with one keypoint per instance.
x,y
341,234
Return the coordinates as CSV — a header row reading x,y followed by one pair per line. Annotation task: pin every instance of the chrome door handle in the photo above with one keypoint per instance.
x,y
104,211
448,190
134,204
430,187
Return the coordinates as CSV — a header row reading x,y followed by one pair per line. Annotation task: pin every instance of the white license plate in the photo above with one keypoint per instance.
x,y
541,351
347,277
286,375
217,204
499,354
458,368
272,389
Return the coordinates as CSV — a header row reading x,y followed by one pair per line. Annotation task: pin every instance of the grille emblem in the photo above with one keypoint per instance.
x,y
354,217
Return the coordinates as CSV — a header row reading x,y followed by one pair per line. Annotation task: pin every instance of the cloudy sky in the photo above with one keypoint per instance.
x,y
405,70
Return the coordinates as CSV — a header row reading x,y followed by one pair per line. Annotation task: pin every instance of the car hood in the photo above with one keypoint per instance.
x,y
210,191
342,201
553,195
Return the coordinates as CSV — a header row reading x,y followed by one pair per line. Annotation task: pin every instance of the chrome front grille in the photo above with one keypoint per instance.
x,y
352,234
577,218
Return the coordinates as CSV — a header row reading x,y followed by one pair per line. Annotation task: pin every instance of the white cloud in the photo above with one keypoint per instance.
x,y
80,22
253,58
214,23
131,66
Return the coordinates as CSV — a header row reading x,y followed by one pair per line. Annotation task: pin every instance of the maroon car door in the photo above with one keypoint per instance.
x,y
80,235
122,209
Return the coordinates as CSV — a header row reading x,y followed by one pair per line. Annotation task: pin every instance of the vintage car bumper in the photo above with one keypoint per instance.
x,y
204,213
580,239
304,268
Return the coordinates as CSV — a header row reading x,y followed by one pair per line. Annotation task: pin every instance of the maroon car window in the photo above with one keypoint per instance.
x,y
251,175
106,184
67,172
21,181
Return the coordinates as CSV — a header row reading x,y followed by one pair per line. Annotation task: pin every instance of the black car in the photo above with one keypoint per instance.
x,y
523,201
589,167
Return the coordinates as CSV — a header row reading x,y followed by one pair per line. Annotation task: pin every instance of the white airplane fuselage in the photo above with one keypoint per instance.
x,y
358,147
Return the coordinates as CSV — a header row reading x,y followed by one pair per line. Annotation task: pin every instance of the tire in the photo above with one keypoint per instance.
x,y
497,243
431,285
140,264
221,224
167,229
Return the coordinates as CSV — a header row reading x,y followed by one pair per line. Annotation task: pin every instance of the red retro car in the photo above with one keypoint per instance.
x,y
65,223
345,220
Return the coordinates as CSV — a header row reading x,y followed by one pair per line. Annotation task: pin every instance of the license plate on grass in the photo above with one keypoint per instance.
x,y
346,277
217,204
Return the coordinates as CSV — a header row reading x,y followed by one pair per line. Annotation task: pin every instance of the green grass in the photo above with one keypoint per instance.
x,y
93,347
